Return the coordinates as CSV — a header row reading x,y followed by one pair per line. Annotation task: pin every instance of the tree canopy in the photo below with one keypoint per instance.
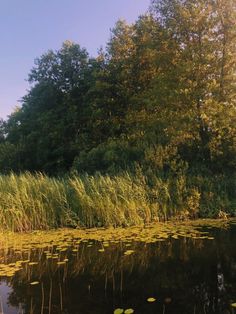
x,y
162,95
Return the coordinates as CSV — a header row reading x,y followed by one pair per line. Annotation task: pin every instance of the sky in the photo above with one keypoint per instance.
x,y
28,28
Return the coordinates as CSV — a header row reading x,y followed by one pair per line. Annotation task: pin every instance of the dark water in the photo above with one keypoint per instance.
x,y
184,275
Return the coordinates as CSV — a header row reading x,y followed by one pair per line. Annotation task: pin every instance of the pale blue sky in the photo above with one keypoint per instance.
x,y
28,28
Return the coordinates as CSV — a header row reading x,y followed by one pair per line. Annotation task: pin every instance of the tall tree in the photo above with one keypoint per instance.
x,y
204,33
54,112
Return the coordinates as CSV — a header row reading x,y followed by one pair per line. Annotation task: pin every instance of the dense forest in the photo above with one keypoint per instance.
x,y
158,103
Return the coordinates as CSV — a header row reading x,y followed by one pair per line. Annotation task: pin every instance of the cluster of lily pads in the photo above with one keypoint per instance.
x,y
130,310
56,243
56,248
120,311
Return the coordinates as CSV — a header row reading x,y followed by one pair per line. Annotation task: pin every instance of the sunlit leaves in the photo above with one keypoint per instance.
x,y
59,246
128,252
129,311
118,311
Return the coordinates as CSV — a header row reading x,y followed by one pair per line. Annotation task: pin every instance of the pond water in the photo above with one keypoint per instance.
x,y
182,268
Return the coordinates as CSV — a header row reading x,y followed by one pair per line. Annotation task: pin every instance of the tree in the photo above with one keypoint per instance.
x,y
161,95
204,32
2,131
54,113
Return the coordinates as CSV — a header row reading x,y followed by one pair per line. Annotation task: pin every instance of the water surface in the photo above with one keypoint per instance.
x,y
100,271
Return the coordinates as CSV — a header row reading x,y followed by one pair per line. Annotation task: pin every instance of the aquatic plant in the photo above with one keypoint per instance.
x,y
38,202
43,262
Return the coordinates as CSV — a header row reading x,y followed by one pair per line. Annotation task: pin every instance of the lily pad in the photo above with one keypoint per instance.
x,y
129,311
34,283
118,311
129,252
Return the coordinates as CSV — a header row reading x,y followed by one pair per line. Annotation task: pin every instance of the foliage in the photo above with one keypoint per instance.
x,y
29,202
160,97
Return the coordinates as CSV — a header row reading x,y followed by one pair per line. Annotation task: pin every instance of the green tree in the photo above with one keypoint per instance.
x,y
2,131
205,92
54,113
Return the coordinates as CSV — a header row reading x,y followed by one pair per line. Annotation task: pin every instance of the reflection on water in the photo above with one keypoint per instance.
x,y
6,307
184,275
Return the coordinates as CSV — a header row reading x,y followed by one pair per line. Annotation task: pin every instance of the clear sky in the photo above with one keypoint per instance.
x,y
28,28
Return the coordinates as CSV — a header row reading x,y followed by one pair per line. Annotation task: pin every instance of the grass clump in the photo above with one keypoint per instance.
x,y
29,202
118,201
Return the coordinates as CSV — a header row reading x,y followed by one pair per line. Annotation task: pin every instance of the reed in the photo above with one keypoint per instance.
x,y
29,202
118,201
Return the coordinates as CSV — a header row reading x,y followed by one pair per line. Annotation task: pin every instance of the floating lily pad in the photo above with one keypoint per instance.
x,y
129,252
118,311
34,283
129,311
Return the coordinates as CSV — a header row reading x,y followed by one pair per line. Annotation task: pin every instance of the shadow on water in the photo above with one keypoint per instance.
x,y
184,275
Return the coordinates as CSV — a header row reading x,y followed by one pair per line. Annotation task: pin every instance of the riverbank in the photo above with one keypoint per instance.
x,y
37,202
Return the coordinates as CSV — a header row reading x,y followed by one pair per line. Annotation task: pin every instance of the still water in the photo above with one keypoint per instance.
x,y
182,272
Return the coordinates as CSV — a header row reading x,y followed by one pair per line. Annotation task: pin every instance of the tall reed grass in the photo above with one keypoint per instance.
x,y
29,202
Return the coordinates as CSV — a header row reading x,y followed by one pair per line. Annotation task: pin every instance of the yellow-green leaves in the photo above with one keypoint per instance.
x,y
129,311
129,252
34,283
118,311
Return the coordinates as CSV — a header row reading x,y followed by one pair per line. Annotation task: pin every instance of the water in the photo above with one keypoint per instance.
x,y
184,275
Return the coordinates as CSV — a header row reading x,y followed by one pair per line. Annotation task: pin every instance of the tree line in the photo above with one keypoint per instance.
x,y
161,97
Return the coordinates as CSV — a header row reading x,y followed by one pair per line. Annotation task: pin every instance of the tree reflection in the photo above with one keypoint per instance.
x,y
186,276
